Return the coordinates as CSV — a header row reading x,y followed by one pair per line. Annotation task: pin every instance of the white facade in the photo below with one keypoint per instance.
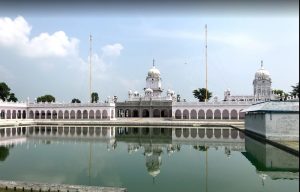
x,y
262,88
57,110
153,89
262,84
274,120
210,110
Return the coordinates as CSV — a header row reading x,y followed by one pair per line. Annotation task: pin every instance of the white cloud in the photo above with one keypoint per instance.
x,y
112,50
15,33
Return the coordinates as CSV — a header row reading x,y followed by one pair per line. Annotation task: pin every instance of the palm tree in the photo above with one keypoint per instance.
x,y
95,97
200,94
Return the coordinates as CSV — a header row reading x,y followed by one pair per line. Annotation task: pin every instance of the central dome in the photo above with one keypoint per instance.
x,y
262,74
153,72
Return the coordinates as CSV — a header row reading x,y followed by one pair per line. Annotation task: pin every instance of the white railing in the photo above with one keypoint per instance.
x,y
56,104
31,105
150,99
175,104
12,104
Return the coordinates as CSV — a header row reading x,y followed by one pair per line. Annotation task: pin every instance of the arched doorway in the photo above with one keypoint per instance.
x,y
178,114
164,113
201,114
135,113
146,113
186,114
217,114
193,114
241,115
225,114
209,114
156,113
233,114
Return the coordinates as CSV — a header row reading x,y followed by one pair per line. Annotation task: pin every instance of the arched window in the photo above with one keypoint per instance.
x,y
91,114
209,114
217,114
201,114
225,114
178,114
193,114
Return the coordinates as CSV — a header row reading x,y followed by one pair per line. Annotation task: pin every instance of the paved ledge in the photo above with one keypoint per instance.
x,y
30,186
288,146
161,122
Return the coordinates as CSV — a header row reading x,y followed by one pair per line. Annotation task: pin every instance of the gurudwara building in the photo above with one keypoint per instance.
x,y
154,102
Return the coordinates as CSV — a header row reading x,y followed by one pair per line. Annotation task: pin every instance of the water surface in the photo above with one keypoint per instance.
x,y
146,159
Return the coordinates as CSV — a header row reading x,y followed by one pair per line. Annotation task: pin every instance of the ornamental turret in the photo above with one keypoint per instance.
x,y
262,84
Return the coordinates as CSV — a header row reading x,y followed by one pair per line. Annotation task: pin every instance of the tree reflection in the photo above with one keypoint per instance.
x,y
4,152
200,147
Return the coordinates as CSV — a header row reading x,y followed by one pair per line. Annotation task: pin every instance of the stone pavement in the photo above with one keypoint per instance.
x,y
127,122
45,187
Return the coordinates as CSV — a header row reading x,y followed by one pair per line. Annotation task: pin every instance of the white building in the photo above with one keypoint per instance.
x,y
262,88
10,110
153,103
150,104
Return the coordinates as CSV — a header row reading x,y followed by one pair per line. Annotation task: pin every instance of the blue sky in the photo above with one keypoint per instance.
x,y
46,54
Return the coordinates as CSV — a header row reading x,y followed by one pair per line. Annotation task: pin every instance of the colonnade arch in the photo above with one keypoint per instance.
x,y
56,114
13,114
209,114
143,112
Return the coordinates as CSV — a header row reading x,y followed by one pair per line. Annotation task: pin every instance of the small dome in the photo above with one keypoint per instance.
x,y
262,73
153,72
148,90
153,173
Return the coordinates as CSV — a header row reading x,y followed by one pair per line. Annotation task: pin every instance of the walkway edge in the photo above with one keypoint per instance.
x,y
45,187
265,140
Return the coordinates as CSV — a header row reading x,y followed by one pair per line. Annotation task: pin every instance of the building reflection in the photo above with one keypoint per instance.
x,y
270,161
153,142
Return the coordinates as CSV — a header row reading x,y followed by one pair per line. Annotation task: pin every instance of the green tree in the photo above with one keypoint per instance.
x,y
75,101
281,93
295,91
4,91
46,98
94,97
12,97
200,94
200,147
5,94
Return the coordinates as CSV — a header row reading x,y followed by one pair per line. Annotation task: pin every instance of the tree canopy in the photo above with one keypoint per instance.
x,y
46,98
200,94
5,94
295,90
281,93
75,101
94,97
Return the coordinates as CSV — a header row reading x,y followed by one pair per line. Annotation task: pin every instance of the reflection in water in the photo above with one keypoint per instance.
x,y
152,140
4,152
152,143
271,161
